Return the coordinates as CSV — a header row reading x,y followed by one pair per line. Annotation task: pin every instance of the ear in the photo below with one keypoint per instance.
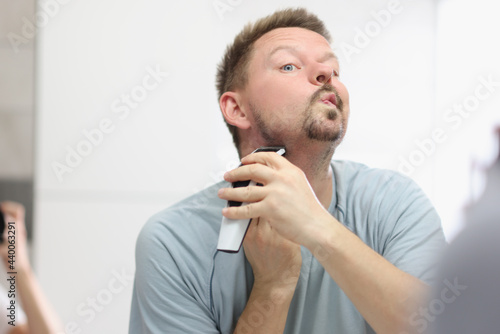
x,y
231,107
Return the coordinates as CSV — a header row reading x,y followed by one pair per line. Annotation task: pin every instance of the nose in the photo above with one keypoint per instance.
x,y
323,74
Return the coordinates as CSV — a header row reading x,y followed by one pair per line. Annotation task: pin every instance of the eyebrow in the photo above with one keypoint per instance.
x,y
290,48
327,56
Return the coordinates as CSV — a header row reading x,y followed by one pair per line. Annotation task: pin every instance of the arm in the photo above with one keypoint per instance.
x,y
276,266
41,318
383,294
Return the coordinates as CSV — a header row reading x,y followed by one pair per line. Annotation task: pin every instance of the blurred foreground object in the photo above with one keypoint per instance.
x,y
468,297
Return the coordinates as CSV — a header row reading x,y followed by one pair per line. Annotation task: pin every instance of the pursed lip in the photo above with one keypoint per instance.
x,y
329,99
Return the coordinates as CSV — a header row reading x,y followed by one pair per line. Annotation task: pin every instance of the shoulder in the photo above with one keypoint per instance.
x,y
382,201
190,226
354,179
392,215
174,259
350,171
175,249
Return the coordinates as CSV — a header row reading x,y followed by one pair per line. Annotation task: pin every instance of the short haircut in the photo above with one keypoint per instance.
x,y
232,70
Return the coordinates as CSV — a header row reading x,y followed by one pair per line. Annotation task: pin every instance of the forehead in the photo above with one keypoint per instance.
x,y
298,38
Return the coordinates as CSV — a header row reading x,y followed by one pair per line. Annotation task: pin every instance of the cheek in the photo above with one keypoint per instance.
x,y
262,93
344,94
278,96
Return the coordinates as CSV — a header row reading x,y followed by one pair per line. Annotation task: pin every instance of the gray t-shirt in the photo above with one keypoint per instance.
x,y
184,285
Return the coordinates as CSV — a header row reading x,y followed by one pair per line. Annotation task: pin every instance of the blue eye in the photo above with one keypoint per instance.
x,y
288,67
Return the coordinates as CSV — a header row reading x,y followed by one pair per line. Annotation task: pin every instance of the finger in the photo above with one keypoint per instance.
x,y
270,159
14,209
17,218
248,211
242,194
256,172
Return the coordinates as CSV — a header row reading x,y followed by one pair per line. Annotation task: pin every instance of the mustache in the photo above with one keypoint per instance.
x,y
327,88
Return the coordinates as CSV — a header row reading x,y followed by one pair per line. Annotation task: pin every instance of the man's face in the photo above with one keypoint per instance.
x,y
291,93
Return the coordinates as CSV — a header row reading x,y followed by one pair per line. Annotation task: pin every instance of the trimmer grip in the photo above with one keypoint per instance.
x,y
232,231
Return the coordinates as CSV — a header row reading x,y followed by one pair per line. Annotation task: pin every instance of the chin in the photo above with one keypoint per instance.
x,y
325,129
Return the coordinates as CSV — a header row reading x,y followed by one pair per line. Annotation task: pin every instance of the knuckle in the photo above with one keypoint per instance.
x,y
252,168
248,193
248,210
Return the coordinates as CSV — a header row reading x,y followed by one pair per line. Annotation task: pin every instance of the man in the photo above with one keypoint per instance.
x,y
333,247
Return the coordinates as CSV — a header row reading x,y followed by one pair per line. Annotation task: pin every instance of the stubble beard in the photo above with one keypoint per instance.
x,y
312,124
313,120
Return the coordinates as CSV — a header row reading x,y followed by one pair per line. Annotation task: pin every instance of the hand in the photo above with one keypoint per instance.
x,y
286,200
275,261
14,212
276,264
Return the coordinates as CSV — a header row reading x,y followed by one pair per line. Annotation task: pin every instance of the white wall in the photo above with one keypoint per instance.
x,y
174,142
467,56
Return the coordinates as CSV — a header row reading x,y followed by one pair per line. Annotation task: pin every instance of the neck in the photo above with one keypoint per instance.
x,y
313,159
